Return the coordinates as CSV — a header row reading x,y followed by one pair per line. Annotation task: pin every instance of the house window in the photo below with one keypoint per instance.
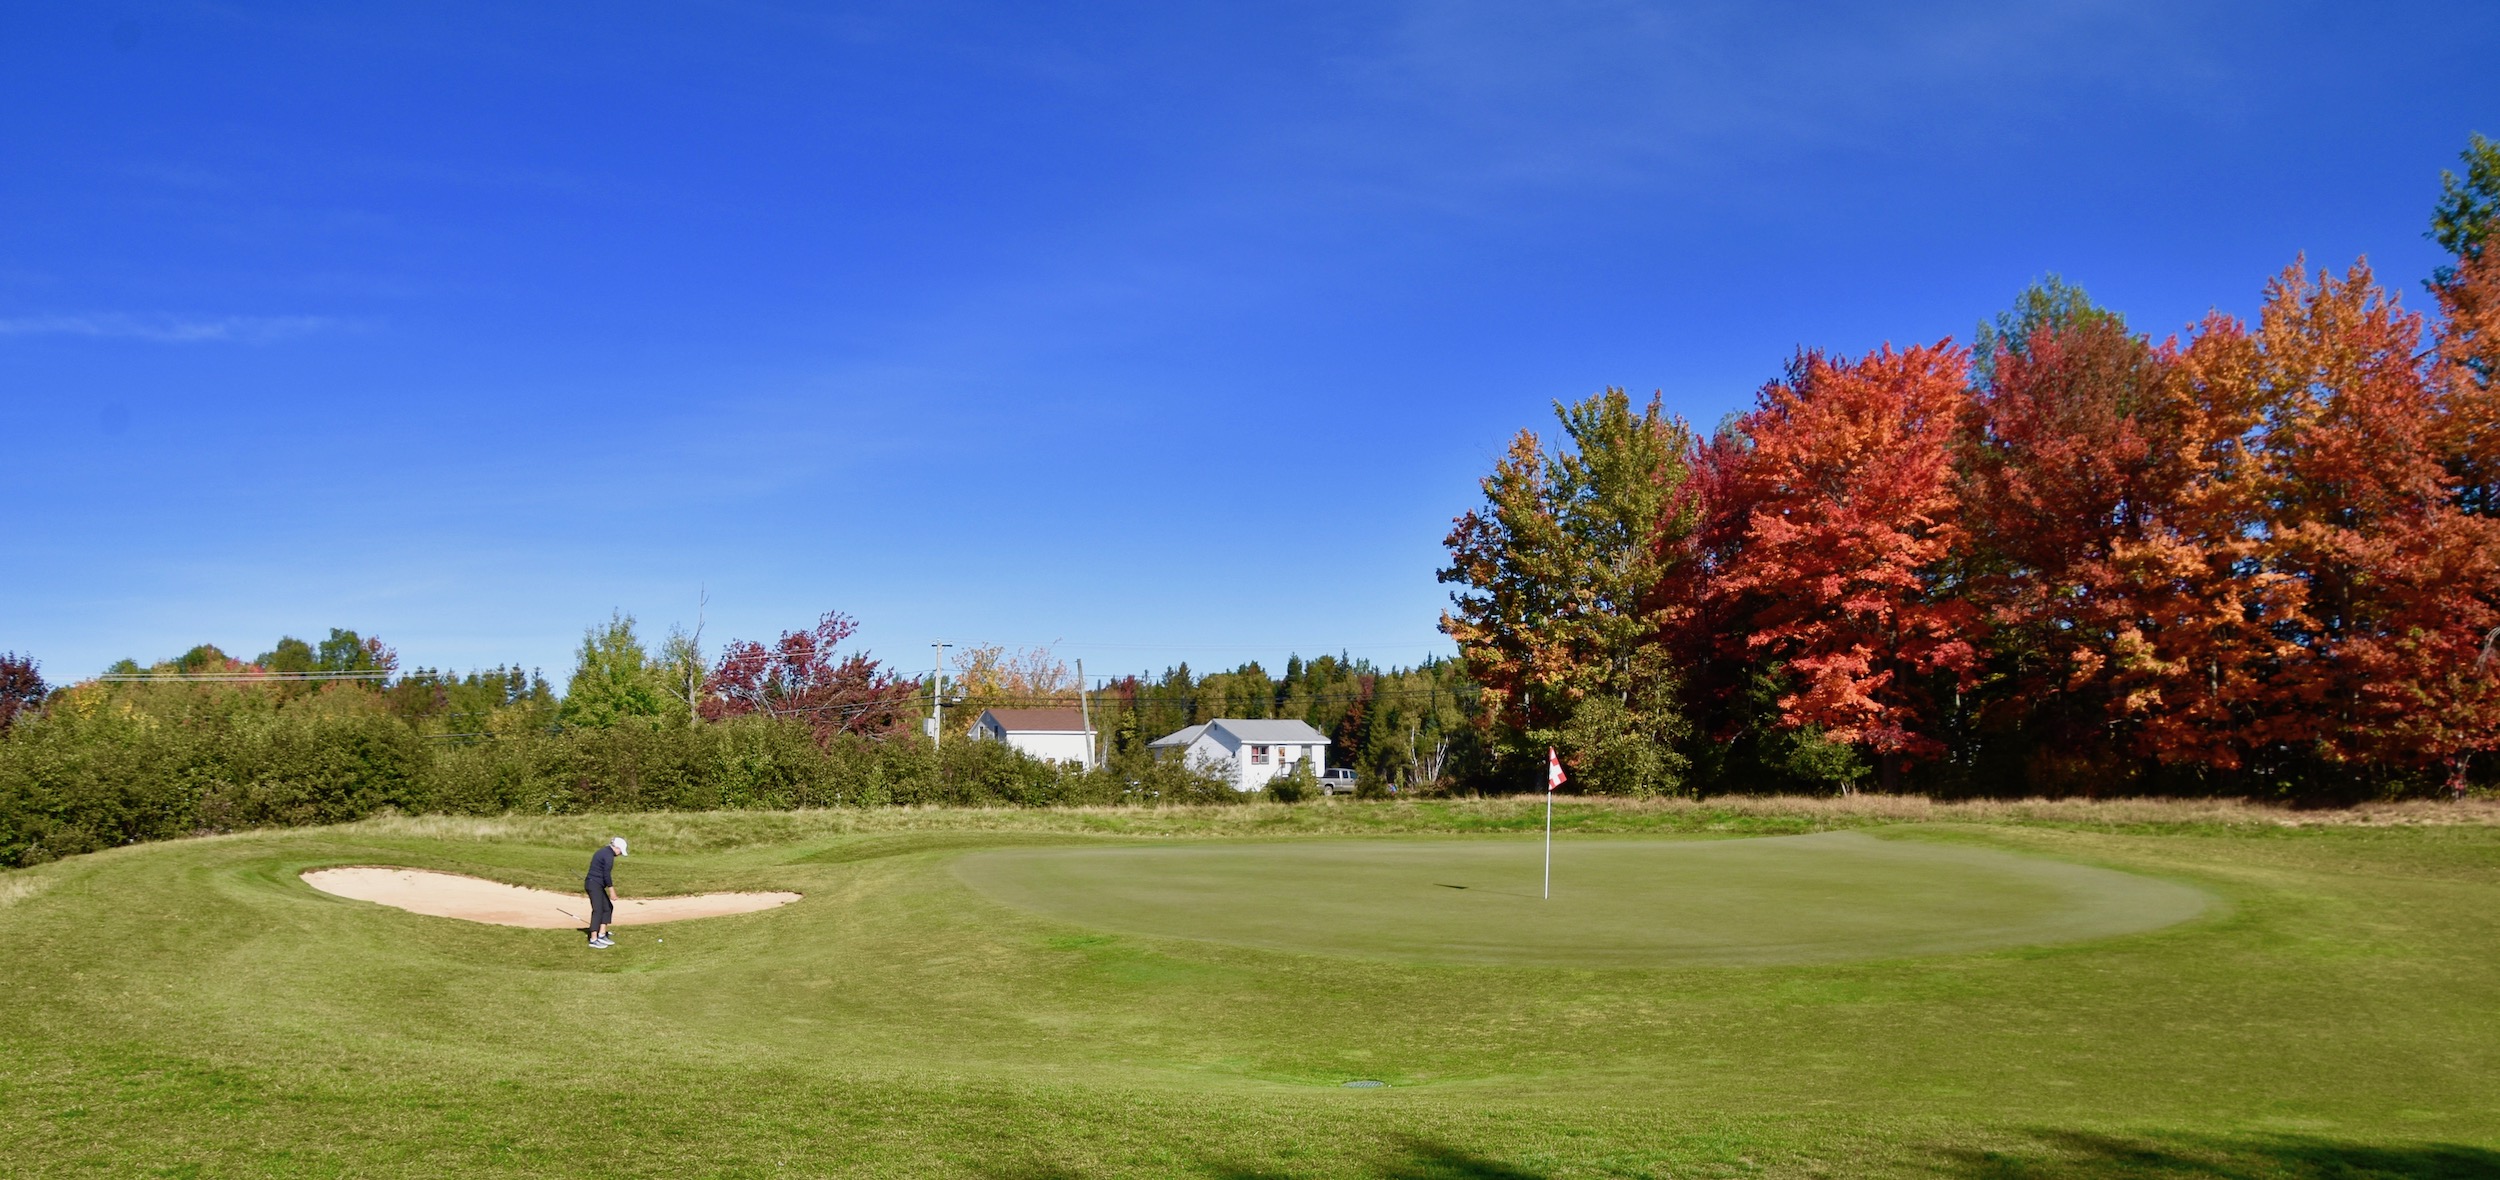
x,y
1258,755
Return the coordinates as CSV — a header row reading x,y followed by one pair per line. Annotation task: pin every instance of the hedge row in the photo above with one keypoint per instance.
x,y
76,784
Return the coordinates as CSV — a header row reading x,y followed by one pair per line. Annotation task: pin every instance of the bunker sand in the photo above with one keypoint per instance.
x,y
450,895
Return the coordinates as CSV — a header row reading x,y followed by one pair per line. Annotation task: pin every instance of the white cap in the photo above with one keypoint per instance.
x,y
618,843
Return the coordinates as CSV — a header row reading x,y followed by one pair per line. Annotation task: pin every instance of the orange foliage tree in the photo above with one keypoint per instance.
x,y
1840,506
2107,489
2398,579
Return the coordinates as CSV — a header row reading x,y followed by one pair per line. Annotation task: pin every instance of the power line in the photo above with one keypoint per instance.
x,y
1215,645
237,677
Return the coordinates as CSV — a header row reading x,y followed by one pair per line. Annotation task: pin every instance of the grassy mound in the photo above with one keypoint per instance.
x,y
192,1008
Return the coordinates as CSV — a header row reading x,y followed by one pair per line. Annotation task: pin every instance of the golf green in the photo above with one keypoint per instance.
x,y
1830,897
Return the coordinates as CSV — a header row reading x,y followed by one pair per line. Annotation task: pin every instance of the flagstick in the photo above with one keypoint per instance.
x,y
1553,779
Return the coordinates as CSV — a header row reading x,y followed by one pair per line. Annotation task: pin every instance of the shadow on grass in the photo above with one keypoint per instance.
x,y
1426,1160
2086,1156
2057,1155
1416,1159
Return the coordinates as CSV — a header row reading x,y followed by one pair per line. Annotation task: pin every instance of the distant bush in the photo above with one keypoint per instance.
x,y
74,781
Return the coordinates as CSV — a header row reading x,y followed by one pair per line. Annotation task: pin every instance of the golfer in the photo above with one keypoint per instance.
x,y
600,883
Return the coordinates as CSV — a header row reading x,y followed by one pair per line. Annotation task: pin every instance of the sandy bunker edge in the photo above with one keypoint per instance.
x,y
474,899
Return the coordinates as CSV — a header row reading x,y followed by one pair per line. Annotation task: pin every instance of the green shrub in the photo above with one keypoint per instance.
x,y
1294,785
1139,777
288,772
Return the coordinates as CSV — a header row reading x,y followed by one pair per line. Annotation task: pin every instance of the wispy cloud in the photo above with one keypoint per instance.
x,y
171,329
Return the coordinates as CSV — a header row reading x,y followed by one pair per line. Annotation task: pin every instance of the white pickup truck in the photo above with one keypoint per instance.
x,y
1337,780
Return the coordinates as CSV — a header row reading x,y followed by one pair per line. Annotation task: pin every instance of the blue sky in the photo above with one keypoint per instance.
x,y
1157,331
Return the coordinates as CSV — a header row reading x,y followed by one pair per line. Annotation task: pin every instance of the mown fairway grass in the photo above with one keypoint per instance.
x,y
194,1009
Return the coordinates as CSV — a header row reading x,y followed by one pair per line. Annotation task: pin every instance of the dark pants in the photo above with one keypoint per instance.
x,y
601,909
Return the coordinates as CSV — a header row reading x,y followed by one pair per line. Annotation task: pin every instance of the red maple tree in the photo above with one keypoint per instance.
x,y
804,676
2106,486
22,689
1843,514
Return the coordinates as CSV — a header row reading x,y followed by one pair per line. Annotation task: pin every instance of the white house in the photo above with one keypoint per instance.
x,y
1250,752
1056,735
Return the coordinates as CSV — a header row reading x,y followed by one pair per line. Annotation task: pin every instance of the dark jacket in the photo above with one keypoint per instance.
x,y
600,864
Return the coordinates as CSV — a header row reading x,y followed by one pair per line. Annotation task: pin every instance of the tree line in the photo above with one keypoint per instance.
x,y
2248,558
328,731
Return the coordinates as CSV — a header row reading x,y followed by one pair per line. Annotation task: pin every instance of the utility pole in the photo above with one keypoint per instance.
x,y
1085,705
937,696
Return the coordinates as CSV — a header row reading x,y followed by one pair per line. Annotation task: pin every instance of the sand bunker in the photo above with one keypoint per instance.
x,y
450,895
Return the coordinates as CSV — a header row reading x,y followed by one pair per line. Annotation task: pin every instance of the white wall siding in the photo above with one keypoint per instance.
x,y
1209,752
1053,747
1047,745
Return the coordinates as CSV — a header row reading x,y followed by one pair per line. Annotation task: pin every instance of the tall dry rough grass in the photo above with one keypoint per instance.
x,y
705,830
1919,808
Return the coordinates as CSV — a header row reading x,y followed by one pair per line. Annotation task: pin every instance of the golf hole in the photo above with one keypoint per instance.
x,y
1828,897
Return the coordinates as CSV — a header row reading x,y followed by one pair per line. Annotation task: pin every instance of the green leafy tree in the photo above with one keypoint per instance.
x,y
205,658
2468,336
1420,732
1564,603
346,651
614,679
503,700
291,657
2047,308
2469,207
681,671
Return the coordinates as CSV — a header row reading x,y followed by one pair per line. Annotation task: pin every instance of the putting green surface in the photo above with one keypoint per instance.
x,y
1829,897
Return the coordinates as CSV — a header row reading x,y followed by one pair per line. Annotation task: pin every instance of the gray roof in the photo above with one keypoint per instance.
x,y
1178,737
1261,732
1265,732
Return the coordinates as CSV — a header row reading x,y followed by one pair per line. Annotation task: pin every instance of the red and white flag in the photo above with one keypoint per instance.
x,y
1553,769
